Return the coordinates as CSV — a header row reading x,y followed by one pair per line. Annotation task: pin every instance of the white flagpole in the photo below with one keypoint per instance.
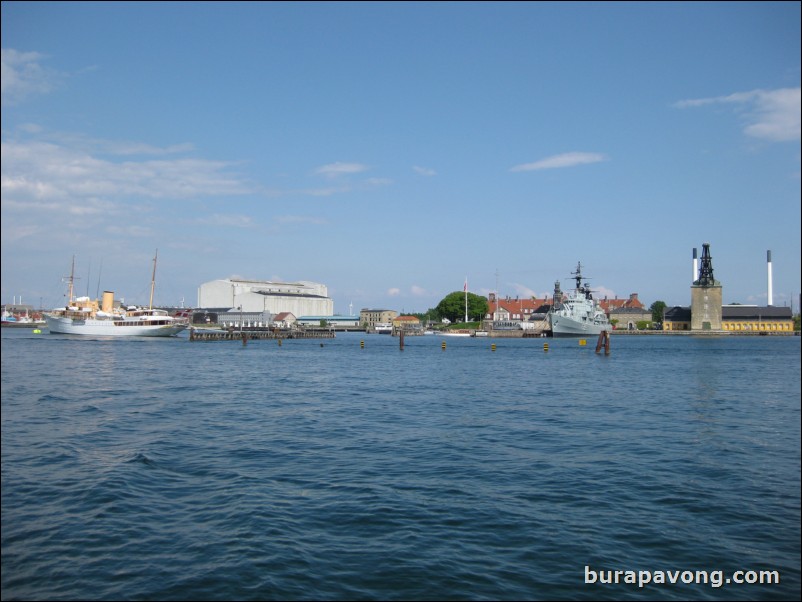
x,y
466,299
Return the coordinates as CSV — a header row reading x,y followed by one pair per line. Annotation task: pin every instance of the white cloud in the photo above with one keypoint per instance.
x,y
230,220
333,170
130,230
525,292
393,292
602,292
50,172
21,76
418,291
99,146
316,191
140,148
424,171
772,115
20,232
378,182
563,160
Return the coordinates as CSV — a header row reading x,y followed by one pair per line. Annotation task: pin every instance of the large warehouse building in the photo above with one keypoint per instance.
x,y
258,296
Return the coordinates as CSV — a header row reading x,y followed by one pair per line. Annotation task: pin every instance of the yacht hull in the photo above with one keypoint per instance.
x,y
112,328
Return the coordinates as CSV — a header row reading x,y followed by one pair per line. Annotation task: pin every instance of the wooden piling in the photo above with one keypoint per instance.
x,y
604,340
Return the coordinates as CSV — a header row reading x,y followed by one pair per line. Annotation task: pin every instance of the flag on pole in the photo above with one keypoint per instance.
x,y
466,285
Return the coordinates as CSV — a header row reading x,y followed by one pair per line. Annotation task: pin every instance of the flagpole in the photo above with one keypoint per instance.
x,y
466,299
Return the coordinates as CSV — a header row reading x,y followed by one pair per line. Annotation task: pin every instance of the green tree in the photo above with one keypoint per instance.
x,y
657,308
428,316
452,306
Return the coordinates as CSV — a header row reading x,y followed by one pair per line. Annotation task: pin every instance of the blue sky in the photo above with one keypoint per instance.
x,y
392,150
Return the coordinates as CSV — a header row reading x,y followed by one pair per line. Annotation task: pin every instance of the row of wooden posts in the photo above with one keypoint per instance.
x,y
603,342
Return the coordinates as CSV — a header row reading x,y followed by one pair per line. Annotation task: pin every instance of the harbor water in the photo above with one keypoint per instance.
x,y
164,469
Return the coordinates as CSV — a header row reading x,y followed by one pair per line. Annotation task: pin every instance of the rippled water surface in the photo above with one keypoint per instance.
x,y
165,469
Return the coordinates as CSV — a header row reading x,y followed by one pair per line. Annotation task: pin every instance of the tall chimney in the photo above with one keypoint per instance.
x,y
768,260
695,266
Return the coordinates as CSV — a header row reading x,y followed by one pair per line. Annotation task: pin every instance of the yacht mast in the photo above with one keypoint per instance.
x,y
153,279
71,281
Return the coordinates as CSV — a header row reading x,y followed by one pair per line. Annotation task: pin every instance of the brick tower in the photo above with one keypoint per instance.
x,y
706,296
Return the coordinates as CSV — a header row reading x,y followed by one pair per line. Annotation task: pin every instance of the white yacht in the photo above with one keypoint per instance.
x,y
85,316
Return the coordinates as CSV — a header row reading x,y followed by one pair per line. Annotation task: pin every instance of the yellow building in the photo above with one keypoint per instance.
x,y
677,318
751,318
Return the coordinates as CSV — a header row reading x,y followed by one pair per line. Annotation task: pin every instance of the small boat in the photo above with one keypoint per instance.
x,y
577,314
456,333
11,319
383,328
85,316
14,316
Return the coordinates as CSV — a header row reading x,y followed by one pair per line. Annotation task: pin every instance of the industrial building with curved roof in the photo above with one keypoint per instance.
x,y
300,298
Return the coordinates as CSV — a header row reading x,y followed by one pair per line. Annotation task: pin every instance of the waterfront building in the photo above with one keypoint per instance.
x,y
514,310
409,324
706,296
677,318
336,322
752,318
285,319
739,319
234,318
708,314
300,298
610,305
627,318
370,317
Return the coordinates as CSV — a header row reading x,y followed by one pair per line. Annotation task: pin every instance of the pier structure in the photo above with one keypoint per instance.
x,y
255,334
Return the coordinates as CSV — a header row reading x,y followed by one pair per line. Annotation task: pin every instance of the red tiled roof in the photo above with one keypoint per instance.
x,y
632,303
530,305
517,306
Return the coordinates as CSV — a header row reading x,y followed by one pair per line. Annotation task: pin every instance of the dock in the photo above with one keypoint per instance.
x,y
256,334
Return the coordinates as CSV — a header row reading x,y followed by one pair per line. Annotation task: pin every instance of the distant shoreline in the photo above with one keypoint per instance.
x,y
698,333
709,333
